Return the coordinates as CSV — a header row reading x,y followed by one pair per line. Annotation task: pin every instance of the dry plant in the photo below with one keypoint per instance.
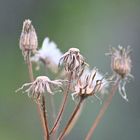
x,y
75,79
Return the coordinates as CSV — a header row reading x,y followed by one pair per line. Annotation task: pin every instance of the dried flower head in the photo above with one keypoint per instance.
x,y
73,61
41,85
121,66
89,85
120,61
28,40
99,75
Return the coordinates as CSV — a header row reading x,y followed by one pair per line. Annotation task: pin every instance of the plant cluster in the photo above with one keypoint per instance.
x,y
75,79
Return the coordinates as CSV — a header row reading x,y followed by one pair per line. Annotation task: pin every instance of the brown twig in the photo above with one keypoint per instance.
x,y
64,101
103,109
71,119
40,111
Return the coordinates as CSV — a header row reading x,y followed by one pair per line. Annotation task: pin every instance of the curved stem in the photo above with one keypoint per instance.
x,y
103,109
64,101
40,112
71,119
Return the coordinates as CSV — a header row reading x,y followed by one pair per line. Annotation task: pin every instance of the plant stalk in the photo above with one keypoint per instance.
x,y
53,113
45,117
40,111
71,119
103,109
62,108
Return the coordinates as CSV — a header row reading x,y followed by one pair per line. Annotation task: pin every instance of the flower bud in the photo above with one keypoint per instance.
x,y
28,39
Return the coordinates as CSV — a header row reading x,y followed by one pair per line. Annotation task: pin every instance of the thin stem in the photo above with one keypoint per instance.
x,y
45,117
103,109
53,109
40,112
71,119
52,104
62,108
30,70
53,113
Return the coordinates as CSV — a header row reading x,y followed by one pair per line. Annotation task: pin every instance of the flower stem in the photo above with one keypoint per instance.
x,y
71,119
30,70
53,113
45,117
103,109
62,108
40,111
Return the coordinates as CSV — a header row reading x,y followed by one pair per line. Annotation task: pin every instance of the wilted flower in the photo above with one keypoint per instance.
x,y
99,75
41,85
49,54
120,61
89,85
73,61
28,40
121,66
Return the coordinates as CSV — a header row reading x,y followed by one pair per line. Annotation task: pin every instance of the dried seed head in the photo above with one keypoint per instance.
x,y
41,85
49,54
73,61
99,75
121,66
28,40
88,86
120,61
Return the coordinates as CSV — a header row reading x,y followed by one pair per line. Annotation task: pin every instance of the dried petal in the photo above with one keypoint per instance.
x,y
41,85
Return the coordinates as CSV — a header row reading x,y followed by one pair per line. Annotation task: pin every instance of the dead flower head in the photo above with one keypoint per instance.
x,y
28,40
120,61
88,86
121,66
41,85
73,61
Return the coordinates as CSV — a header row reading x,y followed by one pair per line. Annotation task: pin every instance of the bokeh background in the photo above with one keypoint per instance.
x,y
90,25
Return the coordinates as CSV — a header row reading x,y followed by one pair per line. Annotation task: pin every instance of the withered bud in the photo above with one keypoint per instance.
x,y
120,61
73,62
28,40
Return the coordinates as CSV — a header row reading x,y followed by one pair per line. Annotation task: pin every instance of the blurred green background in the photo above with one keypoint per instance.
x,y
90,25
